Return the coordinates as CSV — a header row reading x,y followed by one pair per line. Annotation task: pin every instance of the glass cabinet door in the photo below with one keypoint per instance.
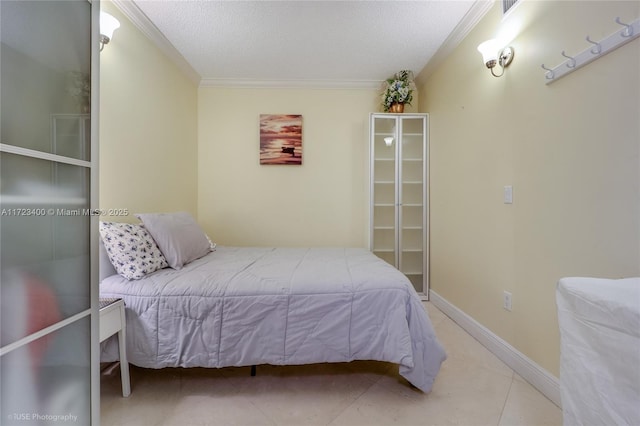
x,y
399,194
45,201
384,194
412,200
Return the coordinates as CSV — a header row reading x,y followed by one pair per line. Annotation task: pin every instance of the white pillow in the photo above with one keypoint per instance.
x,y
131,250
178,236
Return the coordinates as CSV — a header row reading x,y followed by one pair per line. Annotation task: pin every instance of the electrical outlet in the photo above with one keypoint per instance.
x,y
506,301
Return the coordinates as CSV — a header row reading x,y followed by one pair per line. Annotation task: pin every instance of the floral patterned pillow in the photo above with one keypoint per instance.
x,y
131,249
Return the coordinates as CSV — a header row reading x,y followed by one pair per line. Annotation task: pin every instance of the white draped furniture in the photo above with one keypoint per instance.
x,y
599,350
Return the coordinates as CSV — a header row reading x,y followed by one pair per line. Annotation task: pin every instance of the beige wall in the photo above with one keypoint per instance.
x,y
321,203
570,150
148,127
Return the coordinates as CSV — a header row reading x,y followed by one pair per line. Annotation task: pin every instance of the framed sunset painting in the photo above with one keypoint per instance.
x,y
280,139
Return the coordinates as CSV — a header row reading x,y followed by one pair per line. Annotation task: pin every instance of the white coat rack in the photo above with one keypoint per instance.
x,y
595,51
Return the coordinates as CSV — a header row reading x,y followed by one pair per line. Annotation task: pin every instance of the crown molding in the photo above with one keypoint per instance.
x,y
292,84
477,11
144,24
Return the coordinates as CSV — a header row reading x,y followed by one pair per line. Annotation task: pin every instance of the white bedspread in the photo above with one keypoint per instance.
x,y
279,306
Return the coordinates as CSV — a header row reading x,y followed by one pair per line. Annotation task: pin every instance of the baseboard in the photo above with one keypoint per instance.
x,y
537,376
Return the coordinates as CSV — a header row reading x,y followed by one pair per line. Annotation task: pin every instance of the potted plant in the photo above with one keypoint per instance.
x,y
398,91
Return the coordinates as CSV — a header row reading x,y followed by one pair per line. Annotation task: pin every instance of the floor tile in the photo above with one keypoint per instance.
x,y
142,407
526,406
213,409
305,395
465,350
435,315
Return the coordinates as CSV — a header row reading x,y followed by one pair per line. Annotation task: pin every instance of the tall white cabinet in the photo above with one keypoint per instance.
x,y
399,200
49,349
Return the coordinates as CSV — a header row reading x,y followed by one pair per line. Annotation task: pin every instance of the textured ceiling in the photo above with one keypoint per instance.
x,y
345,41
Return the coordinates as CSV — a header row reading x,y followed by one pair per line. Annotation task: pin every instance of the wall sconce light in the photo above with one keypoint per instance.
x,y
388,140
493,54
108,24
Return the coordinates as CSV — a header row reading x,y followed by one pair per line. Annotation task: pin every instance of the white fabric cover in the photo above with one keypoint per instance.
x,y
250,306
600,350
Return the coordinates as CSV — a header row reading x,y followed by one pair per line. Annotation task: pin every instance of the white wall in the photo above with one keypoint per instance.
x,y
570,150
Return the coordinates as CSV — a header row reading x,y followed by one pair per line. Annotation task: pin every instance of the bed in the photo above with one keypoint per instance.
x,y
242,306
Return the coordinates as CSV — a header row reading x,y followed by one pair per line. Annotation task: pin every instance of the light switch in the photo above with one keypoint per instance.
x,y
508,194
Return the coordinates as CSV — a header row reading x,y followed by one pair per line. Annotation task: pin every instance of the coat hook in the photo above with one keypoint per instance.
x,y
628,31
572,61
597,49
549,75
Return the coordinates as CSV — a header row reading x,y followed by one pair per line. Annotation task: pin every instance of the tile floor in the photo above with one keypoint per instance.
x,y
473,388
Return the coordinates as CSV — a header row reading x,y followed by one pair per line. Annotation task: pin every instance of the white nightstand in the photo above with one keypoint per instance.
x,y
112,321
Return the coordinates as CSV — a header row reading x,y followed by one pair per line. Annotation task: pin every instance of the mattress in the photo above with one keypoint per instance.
x,y
281,306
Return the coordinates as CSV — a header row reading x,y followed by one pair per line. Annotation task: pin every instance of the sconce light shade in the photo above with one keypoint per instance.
x,y
493,54
388,140
108,24
489,50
